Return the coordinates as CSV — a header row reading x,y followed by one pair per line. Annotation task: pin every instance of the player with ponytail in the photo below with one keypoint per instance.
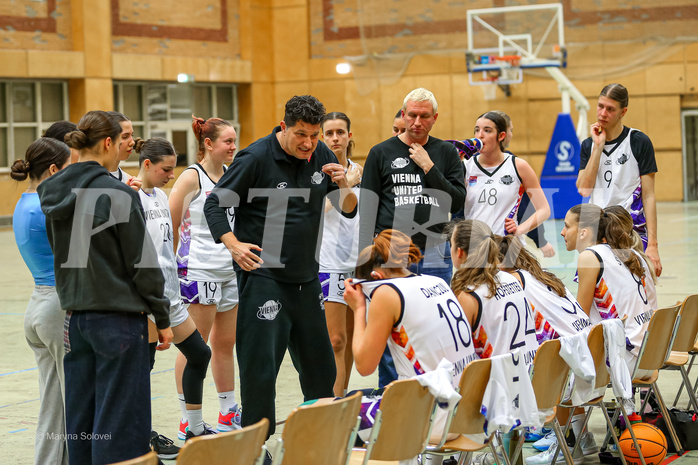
x,y
417,315
488,295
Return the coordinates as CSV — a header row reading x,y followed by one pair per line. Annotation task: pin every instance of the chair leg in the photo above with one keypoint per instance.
x,y
669,425
262,455
578,441
464,458
646,400
352,439
689,389
497,436
607,439
632,433
563,444
519,445
378,420
611,429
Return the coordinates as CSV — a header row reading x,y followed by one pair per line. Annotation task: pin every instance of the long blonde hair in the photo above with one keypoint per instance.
x,y
481,266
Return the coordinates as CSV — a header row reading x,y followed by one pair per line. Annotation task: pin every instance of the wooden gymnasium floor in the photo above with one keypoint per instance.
x,y
19,390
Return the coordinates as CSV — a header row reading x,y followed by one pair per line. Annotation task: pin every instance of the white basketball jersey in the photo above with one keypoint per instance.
x,y
509,400
158,222
618,178
199,258
120,175
620,293
504,321
432,326
555,316
492,195
340,240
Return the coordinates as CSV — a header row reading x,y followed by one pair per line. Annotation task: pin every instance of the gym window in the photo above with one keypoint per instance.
x,y
162,109
27,109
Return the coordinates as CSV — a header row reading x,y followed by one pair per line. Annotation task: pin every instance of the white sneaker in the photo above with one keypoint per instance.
x,y
544,443
486,458
546,458
231,420
588,444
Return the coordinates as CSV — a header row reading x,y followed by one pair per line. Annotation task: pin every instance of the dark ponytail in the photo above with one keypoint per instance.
x,y
40,155
93,127
154,149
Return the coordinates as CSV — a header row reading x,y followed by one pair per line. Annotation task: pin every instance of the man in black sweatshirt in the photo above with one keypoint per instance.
x,y
411,183
278,186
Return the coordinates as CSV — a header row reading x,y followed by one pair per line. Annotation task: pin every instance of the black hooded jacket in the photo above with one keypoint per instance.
x,y
104,259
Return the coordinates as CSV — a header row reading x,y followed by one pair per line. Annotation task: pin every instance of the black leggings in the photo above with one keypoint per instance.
x,y
198,355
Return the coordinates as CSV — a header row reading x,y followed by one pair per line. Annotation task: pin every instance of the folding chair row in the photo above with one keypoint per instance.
x,y
324,432
549,380
685,346
653,354
244,445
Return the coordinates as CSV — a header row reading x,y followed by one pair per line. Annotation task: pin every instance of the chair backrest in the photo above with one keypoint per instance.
x,y
550,373
151,458
405,421
244,446
468,419
656,344
688,328
598,354
321,432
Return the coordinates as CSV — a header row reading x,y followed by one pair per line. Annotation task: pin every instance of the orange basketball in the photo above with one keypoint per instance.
x,y
651,441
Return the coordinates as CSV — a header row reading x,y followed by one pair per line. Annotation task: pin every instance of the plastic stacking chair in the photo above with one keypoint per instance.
x,y
549,377
595,342
693,354
322,433
243,446
654,352
151,458
467,417
402,424
684,343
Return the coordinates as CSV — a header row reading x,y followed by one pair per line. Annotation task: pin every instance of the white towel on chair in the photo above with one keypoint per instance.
x,y
440,384
614,340
575,351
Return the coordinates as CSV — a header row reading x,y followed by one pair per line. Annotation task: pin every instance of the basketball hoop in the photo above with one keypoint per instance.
x,y
497,70
510,71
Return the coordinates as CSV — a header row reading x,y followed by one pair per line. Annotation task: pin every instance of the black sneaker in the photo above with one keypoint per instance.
x,y
163,446
207,430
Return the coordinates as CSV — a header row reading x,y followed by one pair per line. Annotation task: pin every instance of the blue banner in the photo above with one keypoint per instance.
x,y
559,176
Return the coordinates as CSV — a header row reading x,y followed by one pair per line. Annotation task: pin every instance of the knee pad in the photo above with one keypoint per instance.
x,y
197,353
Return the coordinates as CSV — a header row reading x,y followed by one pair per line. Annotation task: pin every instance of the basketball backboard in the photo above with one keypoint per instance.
x,y
503,41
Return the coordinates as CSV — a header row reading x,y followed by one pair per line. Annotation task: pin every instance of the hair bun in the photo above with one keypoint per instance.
x,y
197,125
139,143
77,140
19,170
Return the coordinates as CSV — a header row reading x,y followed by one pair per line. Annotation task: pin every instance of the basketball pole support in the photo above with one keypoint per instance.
x,y
570,92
